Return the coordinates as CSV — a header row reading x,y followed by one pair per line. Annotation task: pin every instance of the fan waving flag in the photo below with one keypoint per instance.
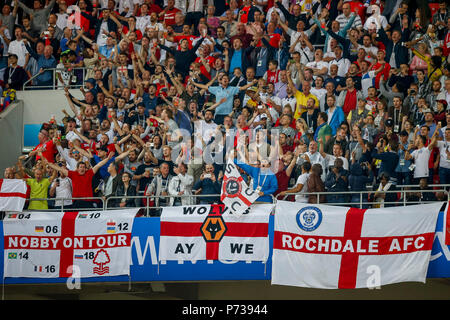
x,y
236,195
329,247
212,232
13,193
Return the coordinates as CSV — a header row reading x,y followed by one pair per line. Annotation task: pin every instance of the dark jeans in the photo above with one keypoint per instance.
x,y
404,178
218,119
82,204
444,176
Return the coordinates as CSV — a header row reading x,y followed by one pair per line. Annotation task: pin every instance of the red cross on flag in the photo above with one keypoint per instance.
x,y
211,232
236,195
13,193
58,244
330,247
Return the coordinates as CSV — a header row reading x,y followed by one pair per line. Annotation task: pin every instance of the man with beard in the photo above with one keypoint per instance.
x,y
143,172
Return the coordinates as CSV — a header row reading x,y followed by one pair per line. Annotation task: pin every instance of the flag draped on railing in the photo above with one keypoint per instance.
x,y
329,247
13,193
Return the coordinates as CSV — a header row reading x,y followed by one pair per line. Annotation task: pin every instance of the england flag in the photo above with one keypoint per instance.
x,y
13,193
330,247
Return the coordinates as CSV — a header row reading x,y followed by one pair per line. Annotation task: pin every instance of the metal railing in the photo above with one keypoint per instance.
x,y
55,80
151,205
403,197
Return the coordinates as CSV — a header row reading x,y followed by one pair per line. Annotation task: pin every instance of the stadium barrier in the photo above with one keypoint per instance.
x,y
150,206
56,85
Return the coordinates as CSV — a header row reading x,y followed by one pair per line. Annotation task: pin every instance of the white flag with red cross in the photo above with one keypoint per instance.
x,y
62,244
13,193
236,195
330,247
212,232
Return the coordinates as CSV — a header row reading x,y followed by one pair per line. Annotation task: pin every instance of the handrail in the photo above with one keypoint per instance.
x,y
55,83
363,201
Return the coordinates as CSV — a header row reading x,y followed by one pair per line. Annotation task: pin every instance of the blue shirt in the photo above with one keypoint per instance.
x,y
236,61
220,92
104,169
105,51
267,181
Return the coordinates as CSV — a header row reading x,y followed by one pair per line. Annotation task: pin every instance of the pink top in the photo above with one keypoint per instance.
x,y
418,64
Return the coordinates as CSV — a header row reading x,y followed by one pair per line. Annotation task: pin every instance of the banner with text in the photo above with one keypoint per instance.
x,y
211,232
58,244
331,247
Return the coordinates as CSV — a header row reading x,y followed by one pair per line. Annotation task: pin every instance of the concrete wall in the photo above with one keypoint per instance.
x,y
11,135
40,105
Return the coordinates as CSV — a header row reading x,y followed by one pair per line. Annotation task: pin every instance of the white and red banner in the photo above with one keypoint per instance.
x,y
58,244
13,193
446,227
213,232
236,194
330,247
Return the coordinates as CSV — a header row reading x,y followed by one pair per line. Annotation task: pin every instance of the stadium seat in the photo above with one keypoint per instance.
x,y
30,136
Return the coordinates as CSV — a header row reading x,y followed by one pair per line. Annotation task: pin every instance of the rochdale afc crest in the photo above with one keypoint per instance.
x,y
309,218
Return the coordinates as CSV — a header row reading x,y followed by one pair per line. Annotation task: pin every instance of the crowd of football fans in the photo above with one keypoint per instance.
x,y
304,96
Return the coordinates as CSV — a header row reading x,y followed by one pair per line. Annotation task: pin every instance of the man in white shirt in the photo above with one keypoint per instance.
x,y
337,153
421,155
313,156
204,129
371,50
144,19
318,66
318,90
18,48
342,63
444,162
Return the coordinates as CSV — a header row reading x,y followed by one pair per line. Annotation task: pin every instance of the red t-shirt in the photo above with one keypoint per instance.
x,y
272,76
244,16
350,101
210,60
49,151
385,72
447,44
169,16
361,9
137,31
82,184
190,39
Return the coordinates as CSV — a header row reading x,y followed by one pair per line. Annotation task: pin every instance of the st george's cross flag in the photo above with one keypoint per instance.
x,y
212,232
446,225
62,244
330,247
236,195
13,193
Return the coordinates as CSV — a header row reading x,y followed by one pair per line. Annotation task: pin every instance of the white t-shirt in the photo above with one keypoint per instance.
x,y
421,158
302,179
18,48
443,146
330,161
343,66
317,65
